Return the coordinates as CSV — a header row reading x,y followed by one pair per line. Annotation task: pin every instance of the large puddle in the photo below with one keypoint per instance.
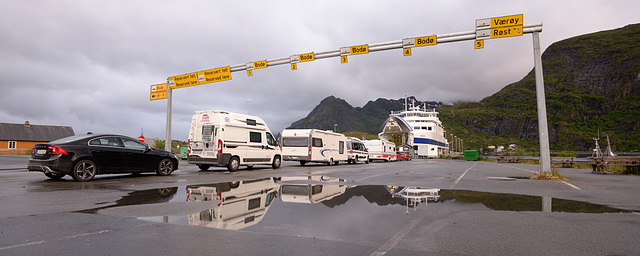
x,y
321,205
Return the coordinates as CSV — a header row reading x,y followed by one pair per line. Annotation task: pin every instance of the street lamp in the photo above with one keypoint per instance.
x,y
455,139
335,127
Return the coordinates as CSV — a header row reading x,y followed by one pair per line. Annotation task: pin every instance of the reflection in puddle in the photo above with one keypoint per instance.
x,y
299,204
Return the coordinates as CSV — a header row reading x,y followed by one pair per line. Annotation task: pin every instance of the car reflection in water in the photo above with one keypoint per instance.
x,y
242,203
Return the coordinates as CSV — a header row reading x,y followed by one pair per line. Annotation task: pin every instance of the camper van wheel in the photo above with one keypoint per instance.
x,y
276,162
303,162
203,167
368,160
234,184
330,163
234,163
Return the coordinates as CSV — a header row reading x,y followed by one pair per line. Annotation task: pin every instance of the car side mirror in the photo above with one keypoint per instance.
x,y
148,148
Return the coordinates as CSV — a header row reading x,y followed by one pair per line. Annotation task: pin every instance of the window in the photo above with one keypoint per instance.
x,y
255,137
133,144
207,131
254,203
271,140
295,142
105,141
12,144
317,142
341,147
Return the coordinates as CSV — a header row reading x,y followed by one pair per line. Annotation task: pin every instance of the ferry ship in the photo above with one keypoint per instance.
x,y
420,128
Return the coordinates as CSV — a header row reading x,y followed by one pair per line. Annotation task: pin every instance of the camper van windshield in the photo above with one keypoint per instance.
x,y
295,142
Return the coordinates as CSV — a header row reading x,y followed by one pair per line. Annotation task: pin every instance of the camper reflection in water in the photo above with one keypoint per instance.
x,y
244,203
414,196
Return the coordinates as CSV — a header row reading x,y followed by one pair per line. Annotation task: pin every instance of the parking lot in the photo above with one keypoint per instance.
x,y
419,207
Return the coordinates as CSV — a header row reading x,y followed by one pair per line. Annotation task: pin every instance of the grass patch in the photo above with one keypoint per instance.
x,y
553,175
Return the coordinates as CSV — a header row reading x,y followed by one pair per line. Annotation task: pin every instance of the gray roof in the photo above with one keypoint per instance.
x,y
22,132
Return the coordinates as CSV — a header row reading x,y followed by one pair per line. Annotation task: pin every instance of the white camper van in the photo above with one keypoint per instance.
x,y
381,150
356,151
312,145
313,189
220,138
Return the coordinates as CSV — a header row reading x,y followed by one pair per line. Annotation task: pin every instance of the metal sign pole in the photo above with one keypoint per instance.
x,y
545,158
167,143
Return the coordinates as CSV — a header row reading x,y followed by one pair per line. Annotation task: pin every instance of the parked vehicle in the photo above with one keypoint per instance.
x,y
356,151
313,145
310,191
84,156
403,155
381,150
220,138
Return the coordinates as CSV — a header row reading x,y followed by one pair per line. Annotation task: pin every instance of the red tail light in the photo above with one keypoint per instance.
x,y
189,146
57,150
219,146
309,156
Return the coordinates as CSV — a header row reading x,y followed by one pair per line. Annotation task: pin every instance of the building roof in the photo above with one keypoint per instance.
x,y
27,132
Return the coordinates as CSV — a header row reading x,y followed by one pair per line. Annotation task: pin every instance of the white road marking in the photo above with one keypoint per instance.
x,y
53,240
571,185
393,241
463,174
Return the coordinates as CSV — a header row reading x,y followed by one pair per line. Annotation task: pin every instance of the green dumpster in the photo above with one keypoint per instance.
x,y
471,155
183,152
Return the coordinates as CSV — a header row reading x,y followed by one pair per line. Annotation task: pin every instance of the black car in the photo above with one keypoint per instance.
x,y
84,156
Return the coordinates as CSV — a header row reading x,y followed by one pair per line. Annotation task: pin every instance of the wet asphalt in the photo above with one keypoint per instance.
x,y
481,208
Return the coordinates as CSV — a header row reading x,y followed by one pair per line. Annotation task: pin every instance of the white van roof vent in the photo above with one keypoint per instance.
x,y
251,122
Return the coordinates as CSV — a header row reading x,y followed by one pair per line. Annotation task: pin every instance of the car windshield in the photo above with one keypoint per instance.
x,y
70,139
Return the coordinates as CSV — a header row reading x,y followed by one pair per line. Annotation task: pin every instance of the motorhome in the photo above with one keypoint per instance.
x,y
356,151
313,145
220,138
381,150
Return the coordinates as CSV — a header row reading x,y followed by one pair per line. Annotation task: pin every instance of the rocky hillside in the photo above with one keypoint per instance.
x,y
367,119
592,82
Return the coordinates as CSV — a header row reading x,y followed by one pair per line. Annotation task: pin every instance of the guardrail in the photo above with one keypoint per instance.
x,y
507,159
602,163
567,162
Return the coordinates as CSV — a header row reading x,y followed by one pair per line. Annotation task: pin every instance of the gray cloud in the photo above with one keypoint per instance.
x,y
90,64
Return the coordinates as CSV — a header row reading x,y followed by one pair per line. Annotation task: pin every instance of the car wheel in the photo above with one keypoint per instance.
x,y
165,167
54,176
367,160
234,184
234,164
276,162
203,167
84,170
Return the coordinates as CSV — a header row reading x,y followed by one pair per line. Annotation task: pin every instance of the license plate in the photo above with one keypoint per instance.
x,y
41,151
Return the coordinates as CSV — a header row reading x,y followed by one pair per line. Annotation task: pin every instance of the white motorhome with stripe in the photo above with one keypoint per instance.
x,y
220,138
313,145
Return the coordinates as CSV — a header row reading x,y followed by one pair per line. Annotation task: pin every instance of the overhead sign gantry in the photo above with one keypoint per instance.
x,y
489,28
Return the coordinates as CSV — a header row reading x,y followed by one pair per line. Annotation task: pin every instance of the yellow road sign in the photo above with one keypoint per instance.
x,y
158,95
498,22
479,44
260,64
426,40
181,81
506,31
158,88
360,49
507,21
306,57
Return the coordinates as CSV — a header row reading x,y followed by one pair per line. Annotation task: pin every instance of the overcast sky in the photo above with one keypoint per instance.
x,y
89,64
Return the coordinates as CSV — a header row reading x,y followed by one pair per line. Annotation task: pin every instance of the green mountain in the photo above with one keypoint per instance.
x,y
592,83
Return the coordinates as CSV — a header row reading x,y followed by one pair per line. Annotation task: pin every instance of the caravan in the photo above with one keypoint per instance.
x,y
220,138
381,150
312,145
